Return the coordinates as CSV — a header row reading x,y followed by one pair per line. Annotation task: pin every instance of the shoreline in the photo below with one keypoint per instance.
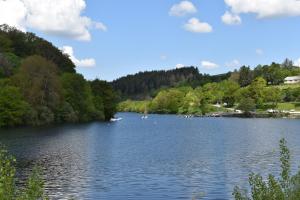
x,y
232,115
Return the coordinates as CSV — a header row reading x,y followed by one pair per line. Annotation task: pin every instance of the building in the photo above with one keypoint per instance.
x,y
292,80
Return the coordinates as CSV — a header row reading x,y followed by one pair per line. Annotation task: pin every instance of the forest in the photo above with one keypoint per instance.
x,y
145,85
249,90
39,85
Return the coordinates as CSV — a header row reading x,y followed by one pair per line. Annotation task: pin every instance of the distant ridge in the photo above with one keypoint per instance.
x,y
144,85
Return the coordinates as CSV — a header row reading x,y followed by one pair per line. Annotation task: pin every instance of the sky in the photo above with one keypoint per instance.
x,y
107,39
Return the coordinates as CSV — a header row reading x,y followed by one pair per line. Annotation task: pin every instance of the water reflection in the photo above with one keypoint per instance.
x,y
164,157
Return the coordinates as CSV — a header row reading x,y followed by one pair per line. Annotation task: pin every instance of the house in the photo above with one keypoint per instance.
x,y
292,80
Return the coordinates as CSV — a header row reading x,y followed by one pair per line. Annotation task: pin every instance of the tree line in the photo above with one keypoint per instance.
x,y
39,84
200,100
145,85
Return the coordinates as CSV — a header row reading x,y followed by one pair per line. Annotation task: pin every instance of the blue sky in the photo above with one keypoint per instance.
x,y
140,35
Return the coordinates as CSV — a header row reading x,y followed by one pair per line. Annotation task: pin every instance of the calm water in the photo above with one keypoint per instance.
x,y
163,157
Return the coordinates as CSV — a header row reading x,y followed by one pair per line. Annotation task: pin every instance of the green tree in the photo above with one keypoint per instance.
x,y
229,89
34,189
284,188
247,105
13,108
105,98
257,90
40,85
245,76
190,103
77,92
273,95
168,101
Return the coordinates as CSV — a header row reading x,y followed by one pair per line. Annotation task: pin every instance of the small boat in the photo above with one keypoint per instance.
x,y
115,119
145,116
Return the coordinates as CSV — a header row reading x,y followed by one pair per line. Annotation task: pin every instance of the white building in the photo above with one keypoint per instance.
x,y
292,80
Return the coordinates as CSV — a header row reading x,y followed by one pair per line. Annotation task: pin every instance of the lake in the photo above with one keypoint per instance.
x,y
163,157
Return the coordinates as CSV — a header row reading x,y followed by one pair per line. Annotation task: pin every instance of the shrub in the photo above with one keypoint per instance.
x,y
34,189
287,187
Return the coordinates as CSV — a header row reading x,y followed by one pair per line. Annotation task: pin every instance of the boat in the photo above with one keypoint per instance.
x,y
115,119
145,116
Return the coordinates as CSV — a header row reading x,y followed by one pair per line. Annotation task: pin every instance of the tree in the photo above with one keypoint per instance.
x,y
167,101
34,188
40,85
229,89
213,93
288,64
190,103
13,108
39,82
257,90
247,105
246,76
284,188
77,92
273,95
105,98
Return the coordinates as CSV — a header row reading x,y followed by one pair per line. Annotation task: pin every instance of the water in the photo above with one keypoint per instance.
x,y
163,157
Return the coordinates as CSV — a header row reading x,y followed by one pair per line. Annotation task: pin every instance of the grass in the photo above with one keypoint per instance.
x,y
289,106
285,86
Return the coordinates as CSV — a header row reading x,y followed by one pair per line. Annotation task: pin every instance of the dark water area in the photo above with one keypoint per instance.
x,y
163,157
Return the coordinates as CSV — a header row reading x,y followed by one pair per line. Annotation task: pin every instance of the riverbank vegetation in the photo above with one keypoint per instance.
x,y
287,187
248,90
39,84
33,189
218,97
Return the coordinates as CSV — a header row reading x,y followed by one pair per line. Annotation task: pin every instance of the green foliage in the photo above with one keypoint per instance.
x,y
134,106
81,102
13,108
145,85
34,189
167,101
245,76
287,187
190,103
247,105
27,44
273,95
229,89
40,85
105,98
7,175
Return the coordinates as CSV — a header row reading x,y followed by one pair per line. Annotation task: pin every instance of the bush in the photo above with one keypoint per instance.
x,y
13,108
34,189
287,187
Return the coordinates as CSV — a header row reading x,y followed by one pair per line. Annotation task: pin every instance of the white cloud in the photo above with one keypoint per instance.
x,y
183,8
100,26
13,12
297,62
196,26
265,8
178,66
259,52
209,65
231,19
88,62
55,17
233,64
163,57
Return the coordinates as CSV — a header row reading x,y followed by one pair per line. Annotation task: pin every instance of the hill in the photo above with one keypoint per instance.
x,y
39,84
144,85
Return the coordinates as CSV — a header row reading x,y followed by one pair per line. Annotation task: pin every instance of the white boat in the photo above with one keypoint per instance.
x,y
115,119
144,117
